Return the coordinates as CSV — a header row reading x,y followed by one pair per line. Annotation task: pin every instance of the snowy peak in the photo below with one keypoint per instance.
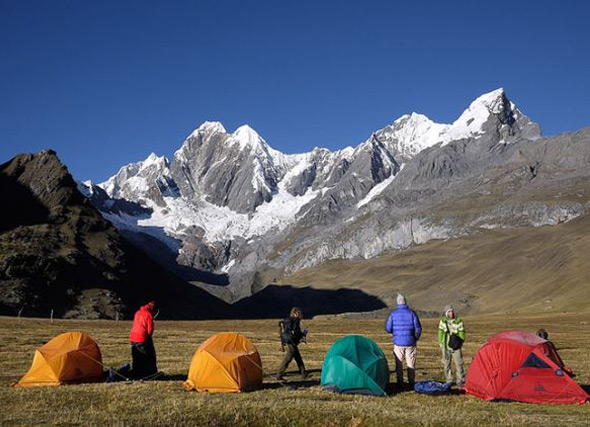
x,y
239,170
247,137
248,140
147,179
244,136
479,111
209,127
493,101
413,119
496,110
154,161
410,134
151,158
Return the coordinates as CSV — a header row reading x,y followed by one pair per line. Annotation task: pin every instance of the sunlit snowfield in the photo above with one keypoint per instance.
x,y
303,403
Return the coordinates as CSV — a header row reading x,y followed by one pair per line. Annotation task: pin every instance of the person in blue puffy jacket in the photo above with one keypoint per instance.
x,y
404,326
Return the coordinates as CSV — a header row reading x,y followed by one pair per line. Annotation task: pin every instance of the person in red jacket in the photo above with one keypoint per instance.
x,y
143,352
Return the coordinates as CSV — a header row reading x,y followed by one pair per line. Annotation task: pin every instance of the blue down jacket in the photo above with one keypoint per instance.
x,y
404,325
432,387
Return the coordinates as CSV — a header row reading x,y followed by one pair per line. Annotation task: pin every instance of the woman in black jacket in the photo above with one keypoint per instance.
x,y
291,336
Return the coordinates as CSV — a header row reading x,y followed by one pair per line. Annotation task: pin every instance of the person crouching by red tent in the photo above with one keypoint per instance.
x,y
143,352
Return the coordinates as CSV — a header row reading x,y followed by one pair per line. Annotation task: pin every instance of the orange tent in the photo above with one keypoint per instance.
x,y
227,363
69,358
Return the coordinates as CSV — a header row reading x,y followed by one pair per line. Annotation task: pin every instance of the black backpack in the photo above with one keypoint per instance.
x,y
290,331
455,341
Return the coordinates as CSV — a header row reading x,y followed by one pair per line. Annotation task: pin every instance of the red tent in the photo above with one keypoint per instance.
x,y
518,365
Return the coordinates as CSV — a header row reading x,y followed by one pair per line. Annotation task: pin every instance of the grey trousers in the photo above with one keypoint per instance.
x,y
455,356
291,352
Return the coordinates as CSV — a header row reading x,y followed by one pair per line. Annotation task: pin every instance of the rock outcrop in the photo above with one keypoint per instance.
x,y
58,253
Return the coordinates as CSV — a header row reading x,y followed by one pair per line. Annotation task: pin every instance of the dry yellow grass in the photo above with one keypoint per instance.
x,y
167,403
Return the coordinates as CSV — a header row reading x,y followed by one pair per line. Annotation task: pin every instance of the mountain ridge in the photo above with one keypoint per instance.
x,y
230,204
230,217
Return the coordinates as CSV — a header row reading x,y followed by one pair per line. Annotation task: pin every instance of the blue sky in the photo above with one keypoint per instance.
x,y
106,83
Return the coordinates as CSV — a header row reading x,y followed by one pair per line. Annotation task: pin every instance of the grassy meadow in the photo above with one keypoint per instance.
x,y
166,402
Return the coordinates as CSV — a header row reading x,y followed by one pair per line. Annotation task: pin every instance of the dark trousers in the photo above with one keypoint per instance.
x,y
144,359
291,352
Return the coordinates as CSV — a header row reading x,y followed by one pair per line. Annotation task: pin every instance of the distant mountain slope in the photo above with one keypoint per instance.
x,y
58,252
453,191
524,269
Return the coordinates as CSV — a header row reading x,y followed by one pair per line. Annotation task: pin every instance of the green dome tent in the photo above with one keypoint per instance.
x,y
355,365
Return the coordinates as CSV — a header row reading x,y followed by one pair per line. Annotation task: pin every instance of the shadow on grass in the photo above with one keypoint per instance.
x,y
291,385
161,377
278,300
172,377
294,373
308,382
586,387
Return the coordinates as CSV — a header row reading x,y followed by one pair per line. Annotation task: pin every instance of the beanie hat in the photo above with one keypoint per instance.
x,y
448,308
400,299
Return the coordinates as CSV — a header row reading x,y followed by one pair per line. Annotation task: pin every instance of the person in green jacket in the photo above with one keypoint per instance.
x,y
448,326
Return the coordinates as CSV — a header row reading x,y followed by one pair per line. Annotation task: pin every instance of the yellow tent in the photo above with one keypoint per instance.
x,y
69,358
227,363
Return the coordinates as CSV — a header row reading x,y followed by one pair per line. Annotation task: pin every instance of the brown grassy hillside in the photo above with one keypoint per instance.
x,y
531,269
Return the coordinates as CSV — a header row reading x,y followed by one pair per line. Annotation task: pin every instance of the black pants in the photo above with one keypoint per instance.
x,y
291,352
144,359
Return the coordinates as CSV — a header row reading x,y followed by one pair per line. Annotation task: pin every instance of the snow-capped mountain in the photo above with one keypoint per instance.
x,y
149,179
223,193
414,132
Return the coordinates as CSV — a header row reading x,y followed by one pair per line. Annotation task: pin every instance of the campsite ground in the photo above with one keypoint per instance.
x,y
166,402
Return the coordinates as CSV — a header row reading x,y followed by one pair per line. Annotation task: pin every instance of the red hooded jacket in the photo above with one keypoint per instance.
x,y
143,324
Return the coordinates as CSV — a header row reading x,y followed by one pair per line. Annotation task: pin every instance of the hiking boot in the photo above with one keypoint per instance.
x,y
305,375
